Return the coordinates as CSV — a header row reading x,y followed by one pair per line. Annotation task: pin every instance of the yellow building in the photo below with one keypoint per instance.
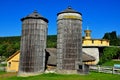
x,y
88,41
13,62
91,46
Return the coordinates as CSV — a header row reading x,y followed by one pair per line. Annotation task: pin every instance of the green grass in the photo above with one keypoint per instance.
x,y
3,65
111,63
51,76
2,72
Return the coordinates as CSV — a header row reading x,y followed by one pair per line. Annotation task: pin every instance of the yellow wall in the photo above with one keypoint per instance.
x,y
88,41
90,63
95,42
13,67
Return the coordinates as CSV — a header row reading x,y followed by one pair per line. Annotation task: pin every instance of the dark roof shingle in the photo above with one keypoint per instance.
x,y
34,15
53,55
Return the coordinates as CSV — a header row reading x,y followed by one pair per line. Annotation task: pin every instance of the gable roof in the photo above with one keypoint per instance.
x,y
13,55
53,56
86,57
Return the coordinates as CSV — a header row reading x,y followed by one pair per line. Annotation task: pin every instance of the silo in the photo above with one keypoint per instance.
x,y
33,44
69,41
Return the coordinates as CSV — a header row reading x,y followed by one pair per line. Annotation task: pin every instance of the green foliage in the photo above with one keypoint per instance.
x,y
2,72
3,65
119,40
52,41
108,54
9,45
52,76
114,40
110,63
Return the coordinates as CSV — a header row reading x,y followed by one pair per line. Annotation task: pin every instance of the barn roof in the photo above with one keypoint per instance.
x,y
13,55
53,54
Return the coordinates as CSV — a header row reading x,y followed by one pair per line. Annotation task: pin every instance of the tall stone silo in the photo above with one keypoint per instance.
x,y
33,44
69,41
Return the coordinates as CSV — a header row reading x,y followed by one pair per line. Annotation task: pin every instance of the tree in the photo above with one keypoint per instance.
x,y
9,45
3,49
52,41
119,40
107,36
114,40
109,53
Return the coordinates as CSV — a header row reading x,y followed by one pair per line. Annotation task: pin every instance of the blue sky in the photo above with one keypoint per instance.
x,y
100,16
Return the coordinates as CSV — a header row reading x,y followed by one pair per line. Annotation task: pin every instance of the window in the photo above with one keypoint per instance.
x,y
9,64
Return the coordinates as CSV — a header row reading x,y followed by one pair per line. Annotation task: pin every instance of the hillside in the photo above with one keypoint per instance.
x,y
9,45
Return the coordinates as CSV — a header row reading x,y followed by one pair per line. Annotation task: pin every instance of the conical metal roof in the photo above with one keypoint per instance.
x,y
34,15
69,10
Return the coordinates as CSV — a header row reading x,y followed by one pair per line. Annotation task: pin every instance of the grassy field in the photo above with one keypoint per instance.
x,y
51,76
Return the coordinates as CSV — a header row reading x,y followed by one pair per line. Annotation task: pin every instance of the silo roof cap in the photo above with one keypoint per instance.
x,y
34,15
69,10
